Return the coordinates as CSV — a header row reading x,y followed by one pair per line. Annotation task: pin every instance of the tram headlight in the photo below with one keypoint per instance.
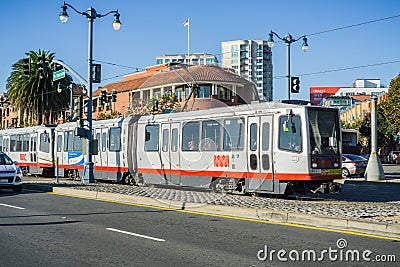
x,y
314,163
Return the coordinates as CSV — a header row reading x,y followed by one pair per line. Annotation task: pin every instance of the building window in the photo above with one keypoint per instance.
x,y
205,91
159,61
209,61
235,48
178,94
167,60
234,61
235,54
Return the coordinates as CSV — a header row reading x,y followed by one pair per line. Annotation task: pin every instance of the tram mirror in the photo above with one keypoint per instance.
x,y
147,136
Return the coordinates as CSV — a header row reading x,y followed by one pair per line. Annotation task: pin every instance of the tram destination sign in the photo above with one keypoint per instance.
x,y
58,74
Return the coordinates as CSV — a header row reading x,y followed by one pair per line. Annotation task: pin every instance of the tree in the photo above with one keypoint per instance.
x,y
35,94
382,128
391,106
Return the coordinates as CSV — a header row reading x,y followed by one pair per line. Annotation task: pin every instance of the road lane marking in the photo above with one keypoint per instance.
x,y
10,206
349,232
138,235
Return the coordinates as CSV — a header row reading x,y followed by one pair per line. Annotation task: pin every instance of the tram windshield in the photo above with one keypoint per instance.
x,y
324,130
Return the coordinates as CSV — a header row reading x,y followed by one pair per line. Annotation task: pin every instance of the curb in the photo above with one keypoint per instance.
x,y
321,222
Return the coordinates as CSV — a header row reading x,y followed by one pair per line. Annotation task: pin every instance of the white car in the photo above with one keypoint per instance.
x,y
10,174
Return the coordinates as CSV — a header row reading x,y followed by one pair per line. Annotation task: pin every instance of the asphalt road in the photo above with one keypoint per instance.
x,y
40,229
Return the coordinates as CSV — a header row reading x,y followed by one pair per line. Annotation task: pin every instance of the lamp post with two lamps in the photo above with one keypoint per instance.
x,y
91,15
288,40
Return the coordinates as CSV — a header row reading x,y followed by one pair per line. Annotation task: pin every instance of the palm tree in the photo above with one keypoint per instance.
x,y
36,95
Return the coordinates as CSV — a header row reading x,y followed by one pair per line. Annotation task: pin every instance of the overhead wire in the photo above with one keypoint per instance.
x,y
280,77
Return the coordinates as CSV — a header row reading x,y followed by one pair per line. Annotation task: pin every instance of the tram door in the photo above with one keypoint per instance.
x,y
174,154
34,167
101,159
260,161
170,164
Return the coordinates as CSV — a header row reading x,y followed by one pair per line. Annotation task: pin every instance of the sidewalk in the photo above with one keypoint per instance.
x,y
363,207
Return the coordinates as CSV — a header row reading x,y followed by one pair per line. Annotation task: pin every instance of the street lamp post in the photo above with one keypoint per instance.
x,y
288,39
91,15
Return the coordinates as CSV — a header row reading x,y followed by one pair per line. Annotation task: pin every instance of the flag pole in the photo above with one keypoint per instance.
x,y
188,40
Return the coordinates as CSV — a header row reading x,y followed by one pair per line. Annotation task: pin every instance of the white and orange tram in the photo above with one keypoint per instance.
x,y
32,147
268,147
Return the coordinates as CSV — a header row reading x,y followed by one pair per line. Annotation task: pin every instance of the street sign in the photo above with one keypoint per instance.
x,y
58,74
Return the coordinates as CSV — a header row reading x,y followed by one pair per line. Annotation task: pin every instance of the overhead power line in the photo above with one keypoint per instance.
x,y
341,69
353,25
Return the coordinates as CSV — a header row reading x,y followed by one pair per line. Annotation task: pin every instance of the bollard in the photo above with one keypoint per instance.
x,y
374,170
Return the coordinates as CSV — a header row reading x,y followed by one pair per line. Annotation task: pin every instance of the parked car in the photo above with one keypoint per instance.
x,y
353,165
394,157
10,174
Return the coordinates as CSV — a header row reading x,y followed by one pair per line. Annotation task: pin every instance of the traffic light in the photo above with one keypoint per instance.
x,y
96,73
27,65
78,107
103,97
41,66
114,96
294,84
155,106
196,91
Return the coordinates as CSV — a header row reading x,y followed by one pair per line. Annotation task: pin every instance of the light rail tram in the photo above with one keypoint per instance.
x,y
267,147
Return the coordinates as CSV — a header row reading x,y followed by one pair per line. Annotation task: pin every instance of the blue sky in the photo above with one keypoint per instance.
x,y
154,27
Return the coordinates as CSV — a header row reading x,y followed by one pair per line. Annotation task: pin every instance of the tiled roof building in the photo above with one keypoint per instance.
x,y
217,87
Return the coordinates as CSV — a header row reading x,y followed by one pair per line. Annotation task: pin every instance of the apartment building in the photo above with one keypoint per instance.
x,y
193,59
252,60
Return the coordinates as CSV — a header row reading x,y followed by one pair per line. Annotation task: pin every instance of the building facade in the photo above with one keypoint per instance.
x,y
252,60
194,59
217,87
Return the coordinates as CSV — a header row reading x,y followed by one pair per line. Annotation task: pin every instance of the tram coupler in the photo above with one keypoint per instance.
x,y
324,188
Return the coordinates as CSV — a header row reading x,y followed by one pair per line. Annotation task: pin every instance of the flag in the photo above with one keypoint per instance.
x,y
186,23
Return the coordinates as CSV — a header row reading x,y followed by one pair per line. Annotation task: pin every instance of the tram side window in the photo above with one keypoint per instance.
x,y
98,141
68,139
77,143
115,139
165,140
253,137
151,138
233,134
265,136
6,144
174,140
190,136
44,144
59,143
19,143
290,133
104,142
13,143
25,142
34,143
210,135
